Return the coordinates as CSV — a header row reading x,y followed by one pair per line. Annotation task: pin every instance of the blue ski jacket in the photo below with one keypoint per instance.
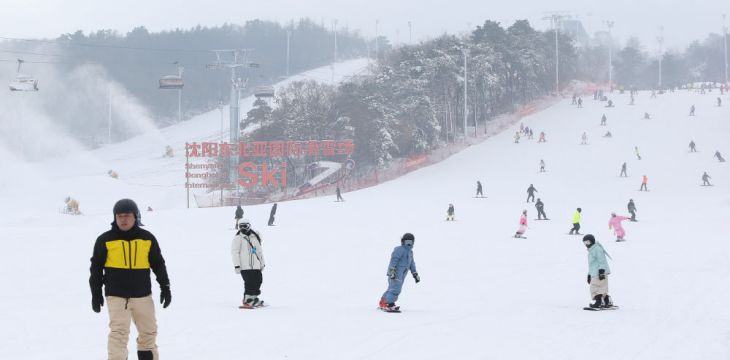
x,y
402,260
597,260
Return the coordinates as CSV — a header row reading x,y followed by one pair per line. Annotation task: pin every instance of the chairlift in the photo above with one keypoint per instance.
x,y
172,82
264,91
23,82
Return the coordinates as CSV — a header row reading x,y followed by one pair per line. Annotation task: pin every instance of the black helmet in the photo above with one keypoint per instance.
x,y
407,239
590,238
125,206
579,209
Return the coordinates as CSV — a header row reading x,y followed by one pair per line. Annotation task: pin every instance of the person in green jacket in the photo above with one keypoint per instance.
x,y
598,272
576,222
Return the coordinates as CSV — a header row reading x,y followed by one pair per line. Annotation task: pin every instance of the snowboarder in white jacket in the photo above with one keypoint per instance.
x,y
248,260
598,272
401,261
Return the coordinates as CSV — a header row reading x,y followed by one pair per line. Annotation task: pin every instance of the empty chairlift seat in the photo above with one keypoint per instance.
x,y
173,82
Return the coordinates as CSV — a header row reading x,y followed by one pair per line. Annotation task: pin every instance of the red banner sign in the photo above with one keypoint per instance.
x,y
272,148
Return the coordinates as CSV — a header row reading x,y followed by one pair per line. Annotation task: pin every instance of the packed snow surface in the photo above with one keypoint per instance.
x,y
483,294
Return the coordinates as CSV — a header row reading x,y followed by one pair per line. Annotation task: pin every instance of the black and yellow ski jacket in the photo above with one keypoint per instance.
x,y
122,261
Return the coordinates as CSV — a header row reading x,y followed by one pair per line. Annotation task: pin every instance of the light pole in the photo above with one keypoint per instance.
x,y
410,33
556,19
334,58
288,35
109,139
660,39
466,109
724,42
377,21
610,56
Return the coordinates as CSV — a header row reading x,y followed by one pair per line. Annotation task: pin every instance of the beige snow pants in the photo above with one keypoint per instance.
x,y
121,313
599,287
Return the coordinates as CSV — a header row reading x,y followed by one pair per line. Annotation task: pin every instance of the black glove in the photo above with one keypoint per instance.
x,y
589,278
391,273
416,277
601,274
97,301
165,295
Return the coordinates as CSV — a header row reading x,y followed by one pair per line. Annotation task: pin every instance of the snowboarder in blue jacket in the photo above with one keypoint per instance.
x,y
401,261
598,272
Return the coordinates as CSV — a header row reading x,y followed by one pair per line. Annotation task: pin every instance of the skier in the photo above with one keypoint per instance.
x,y
401,261
238,215
607,134
644,181
530,134
623,170
542,137
636,150
615,223
574,98
583,139
72,206
168,152
632,99
479,189
706,179
542,165
632,209
523,225
598,272
450,213
647,116
121,264
719,102
248,260
531,193
580,102
540,206
272,214
719,156
609,104
113,174
692,110
576,222
339,194
692,146
517,137
603,120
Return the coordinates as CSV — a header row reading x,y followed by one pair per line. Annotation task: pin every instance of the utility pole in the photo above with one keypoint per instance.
x,y
233,59
179,95
660,39
610,56
466,109
220,108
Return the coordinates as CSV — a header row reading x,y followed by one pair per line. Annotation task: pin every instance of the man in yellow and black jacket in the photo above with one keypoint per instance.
x,y
121,263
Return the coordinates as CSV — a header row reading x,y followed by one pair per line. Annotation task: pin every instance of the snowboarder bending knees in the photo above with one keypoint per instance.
x,y
401,261
576,222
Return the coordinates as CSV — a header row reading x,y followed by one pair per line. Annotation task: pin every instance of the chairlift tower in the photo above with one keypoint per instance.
x,y
660,40
233,59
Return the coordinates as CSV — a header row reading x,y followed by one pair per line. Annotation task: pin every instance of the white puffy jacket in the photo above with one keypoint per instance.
x,y
246,251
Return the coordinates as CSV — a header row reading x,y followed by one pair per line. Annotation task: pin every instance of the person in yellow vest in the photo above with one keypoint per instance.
x,y
121,264
576,222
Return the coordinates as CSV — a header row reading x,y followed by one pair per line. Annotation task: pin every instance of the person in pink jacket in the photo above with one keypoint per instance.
x,y
523,225
615,224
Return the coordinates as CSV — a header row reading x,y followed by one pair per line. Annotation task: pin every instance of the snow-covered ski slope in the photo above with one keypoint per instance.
x,y
483,294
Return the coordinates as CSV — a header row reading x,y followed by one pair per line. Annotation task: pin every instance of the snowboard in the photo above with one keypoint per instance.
x,y
588,308
707,185
520,237
540,219
259,305
396,310
480,197
573,234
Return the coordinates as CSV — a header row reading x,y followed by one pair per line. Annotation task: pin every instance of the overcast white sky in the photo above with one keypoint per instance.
x,y
683,20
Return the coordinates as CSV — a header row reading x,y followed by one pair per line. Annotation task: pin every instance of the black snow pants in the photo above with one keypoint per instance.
x,y
252,280
541,214
530,196
633,215
576,228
